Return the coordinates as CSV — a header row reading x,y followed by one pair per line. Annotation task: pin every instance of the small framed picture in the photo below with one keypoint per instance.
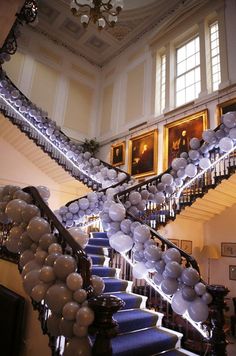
x,y
186,246
175,241
118,154
228,249
232,272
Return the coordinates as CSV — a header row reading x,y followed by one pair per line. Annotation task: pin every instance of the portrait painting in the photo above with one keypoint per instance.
x,y
178,134
143,154
223,108
118,154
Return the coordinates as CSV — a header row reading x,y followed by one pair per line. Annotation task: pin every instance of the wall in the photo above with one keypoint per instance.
x,y
186,229
57,81
34,342
29,174
132,77
222,229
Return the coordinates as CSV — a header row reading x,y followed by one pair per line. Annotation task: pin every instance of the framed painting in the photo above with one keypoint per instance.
x,y
232,272
175,241
228,249
118,154
143,154
186,246
177,134
223,108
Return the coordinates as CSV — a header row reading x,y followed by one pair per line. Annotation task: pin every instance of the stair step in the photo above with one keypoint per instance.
x,y
114,285
99,259
97,250
99,241
144,342
100,235
104,271
130,320
132,301
178,352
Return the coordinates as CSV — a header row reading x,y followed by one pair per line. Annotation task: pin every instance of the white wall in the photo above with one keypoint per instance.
x,y
57,81
222,228
34,342
20,171
133,74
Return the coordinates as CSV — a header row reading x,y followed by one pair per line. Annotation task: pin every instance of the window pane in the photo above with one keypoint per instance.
x,y
215,51
180,83
181,54
197,75
180,98
197,44
197,89
190,62
215,57
190,48
190,93
190,78
181,68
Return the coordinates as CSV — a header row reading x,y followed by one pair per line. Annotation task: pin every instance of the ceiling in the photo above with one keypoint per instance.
x,y
56,22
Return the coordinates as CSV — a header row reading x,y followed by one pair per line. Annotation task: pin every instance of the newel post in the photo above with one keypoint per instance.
x,y
104,326
218,339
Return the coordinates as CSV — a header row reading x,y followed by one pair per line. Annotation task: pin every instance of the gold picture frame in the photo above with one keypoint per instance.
x,y
223,108
186,246
143,154
117,155
177,134
175,241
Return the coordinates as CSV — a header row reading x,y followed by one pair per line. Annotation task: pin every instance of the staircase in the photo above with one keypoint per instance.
x,y
140,331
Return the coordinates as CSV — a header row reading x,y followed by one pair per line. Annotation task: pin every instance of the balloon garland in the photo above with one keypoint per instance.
x,y
183,284
48,273
123,234
38,120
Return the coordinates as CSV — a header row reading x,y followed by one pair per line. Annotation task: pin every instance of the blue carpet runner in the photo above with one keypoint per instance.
x,y
138,333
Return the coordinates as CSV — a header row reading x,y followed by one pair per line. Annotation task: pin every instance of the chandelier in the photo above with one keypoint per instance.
x,y
100,12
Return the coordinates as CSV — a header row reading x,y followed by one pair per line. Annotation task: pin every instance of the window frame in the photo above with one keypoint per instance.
x,y
177,47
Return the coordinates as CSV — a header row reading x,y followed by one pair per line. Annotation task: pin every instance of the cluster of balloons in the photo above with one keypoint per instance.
x,y
91,205
48,273
88,166
173,279
125,235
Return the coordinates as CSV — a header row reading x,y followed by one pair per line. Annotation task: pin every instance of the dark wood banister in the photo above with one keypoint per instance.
x,y
82,259
190,259
105,164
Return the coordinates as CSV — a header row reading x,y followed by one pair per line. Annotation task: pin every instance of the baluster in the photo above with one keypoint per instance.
x,y
218,338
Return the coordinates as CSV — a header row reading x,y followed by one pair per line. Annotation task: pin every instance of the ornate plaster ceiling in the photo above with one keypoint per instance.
x,y
99,47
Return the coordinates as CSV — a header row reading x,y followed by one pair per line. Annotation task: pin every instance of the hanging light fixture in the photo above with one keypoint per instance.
x,y
100,12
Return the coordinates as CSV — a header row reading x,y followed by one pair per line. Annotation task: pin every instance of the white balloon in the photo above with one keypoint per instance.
x,y
204,163
80,236
226,144
139,270
141,233
121,242
135,198
191,170
117,212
